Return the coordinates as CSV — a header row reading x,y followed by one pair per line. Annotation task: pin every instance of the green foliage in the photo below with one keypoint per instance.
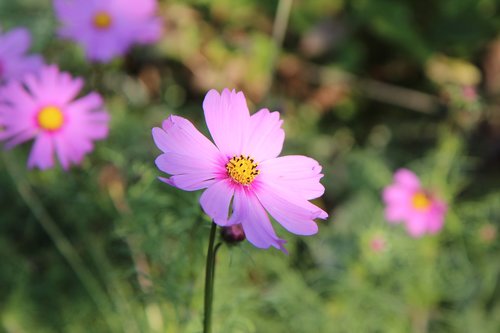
x,y
142,244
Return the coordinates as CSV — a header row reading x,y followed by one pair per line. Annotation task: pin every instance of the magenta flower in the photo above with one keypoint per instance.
x,y
14,62
406,201
44,107
107,29
242,173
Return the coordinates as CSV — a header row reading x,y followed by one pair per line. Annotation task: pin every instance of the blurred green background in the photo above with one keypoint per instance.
x,y
365,87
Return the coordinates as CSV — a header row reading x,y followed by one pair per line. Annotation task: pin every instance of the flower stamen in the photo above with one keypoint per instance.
x,y
242,169
102,20
50,118
420,201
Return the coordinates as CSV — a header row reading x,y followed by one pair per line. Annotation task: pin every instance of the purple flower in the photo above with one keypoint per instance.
x,y
107,29
406,201
243,176
14,62
43,107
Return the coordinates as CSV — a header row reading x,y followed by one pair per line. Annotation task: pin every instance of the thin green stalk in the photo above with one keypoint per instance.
x,y
209,280
280,26
62,244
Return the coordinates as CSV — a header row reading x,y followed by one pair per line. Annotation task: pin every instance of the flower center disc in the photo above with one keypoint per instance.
x,y
50,118
102,20
242,169
420,201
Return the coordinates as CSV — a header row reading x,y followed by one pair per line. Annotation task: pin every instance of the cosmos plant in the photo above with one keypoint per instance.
x,y
45,107
14,62
108,28
243,177
408,202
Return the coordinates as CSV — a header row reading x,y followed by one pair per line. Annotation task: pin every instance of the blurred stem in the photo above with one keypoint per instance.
x,y
209,280
62,244
281,22
279,30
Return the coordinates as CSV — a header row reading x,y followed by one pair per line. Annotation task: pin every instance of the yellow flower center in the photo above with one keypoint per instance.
x,y
50,118
102,20
420,201
242,169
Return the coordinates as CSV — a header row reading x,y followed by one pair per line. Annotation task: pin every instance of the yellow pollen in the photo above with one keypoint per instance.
x,y
50,118
420,201
242,169
102,20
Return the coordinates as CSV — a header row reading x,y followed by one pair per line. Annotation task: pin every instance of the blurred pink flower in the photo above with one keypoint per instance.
x,y
14,62
378,243
406,201
469,93
107,29
242,173
44,107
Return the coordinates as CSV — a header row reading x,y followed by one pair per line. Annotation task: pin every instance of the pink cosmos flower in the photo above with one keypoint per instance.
x,y
14,62
243,176
406,201
107,29
43,107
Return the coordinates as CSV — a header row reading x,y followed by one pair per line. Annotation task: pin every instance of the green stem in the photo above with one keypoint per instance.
x,y
62,244
209,280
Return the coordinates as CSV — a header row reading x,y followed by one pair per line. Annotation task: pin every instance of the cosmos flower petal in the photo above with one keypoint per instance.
x,y
227,118
129,22
14,63
406,201
417,225
396,213
245,181
190,182
178,164
16,41
407,178
68,129
266,136
150,32
397,195
216,199
41,155
294,213
300,174
436,217
180,136
253,218
19,137
63,151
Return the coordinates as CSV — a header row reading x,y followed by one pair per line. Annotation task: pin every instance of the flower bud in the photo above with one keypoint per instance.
x,y
233,234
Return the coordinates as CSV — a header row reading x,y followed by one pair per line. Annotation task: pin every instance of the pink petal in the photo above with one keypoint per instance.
x,y
178,164
258,229
416,225
266,136
142,8
41,155
300,174
150,32
180,136
227,118
397,194
436,217
63,151
293,212
190,182
189,173
407,179
395,213
216,199
16,41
